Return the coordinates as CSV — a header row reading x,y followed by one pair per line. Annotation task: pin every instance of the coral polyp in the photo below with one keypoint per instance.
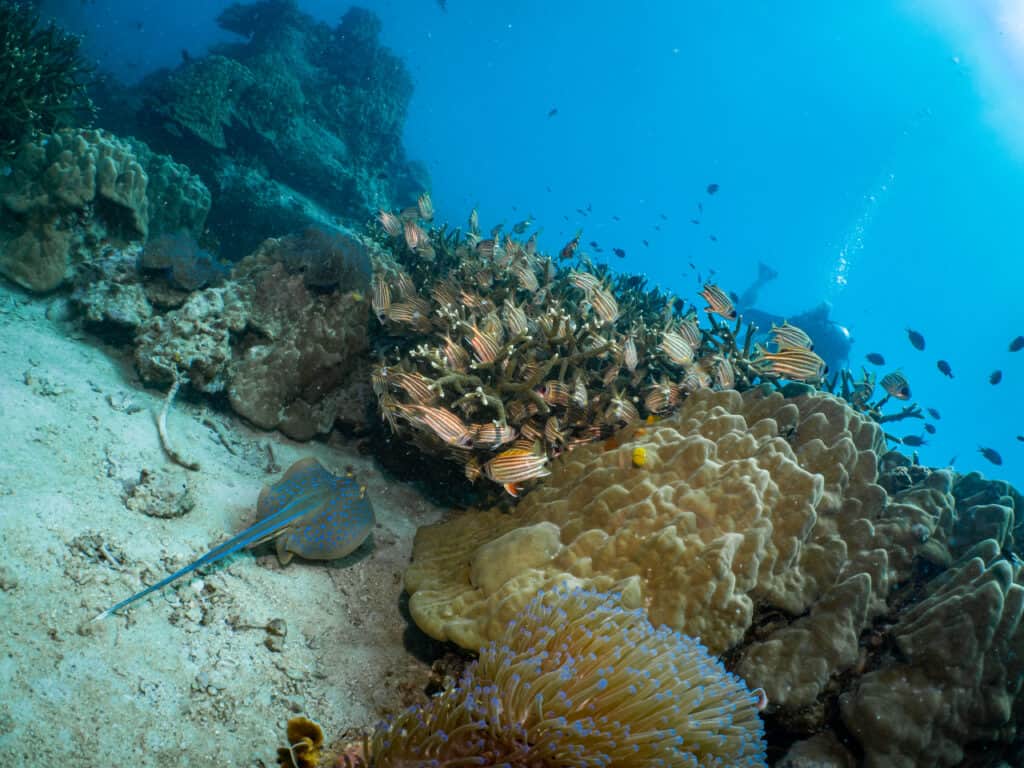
x,y
578,680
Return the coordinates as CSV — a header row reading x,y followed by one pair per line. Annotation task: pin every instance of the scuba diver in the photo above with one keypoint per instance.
x,y
832,341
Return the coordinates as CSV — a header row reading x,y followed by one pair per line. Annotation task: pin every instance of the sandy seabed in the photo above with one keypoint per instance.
x,y
192,675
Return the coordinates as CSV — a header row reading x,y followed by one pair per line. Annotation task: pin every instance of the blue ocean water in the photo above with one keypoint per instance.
x,y
870,153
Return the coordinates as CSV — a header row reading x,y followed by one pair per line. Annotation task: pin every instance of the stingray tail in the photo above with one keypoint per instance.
x,y
251,536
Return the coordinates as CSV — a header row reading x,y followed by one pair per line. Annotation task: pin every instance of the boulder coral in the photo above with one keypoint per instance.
x,y
736,502
70,193
883,626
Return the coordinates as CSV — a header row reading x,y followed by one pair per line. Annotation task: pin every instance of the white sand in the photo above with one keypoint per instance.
x,y
176,681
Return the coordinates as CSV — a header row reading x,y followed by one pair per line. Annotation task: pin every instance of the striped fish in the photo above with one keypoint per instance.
x,y
380,298
690,331
516,466
723,374
620,409
605,305
797,364
444,293
629,354
676,348
485,346
553,431
515,319
662,397
456,356
896,385
442,422
492,435
415,385
488,249
696,378
787,336
414,312
718,302
404,284
526,277
555,393
414,235
474,221
585,281
579,393
425,206
390,223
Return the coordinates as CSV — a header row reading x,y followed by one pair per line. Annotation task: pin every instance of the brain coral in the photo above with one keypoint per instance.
x,y
577,680
738,501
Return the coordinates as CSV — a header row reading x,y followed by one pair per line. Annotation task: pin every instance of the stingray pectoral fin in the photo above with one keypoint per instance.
x,y
283,555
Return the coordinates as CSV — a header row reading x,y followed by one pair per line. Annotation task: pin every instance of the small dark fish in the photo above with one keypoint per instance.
x,y
621,253
914,441
695,221
735,297
700,208
658,227
581,212
443,5
382,174
647,244
934,414
1017,344
616,218
916,339
952,461
593,244
1021,438
875,358
589,208
692,266
929,428
995,377
991,454
943,366
663,216
553,111
712,188
140,25
713,238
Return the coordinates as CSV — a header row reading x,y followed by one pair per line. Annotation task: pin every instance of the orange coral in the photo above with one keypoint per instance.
x,y
304,741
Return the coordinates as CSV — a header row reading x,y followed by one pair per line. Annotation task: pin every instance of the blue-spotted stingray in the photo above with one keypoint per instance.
x,y
310,512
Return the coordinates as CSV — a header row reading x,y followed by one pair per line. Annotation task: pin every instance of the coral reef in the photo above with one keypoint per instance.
x,y
886,623
577,679
72,193
495,357
298,125
44,80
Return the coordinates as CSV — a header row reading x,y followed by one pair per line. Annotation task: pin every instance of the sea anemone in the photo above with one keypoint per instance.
x,y
577,680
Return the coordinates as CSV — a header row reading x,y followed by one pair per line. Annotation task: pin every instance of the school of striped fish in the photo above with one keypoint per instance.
x,y
500,357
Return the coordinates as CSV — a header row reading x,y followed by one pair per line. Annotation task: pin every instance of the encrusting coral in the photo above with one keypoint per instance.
x,y
576,679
